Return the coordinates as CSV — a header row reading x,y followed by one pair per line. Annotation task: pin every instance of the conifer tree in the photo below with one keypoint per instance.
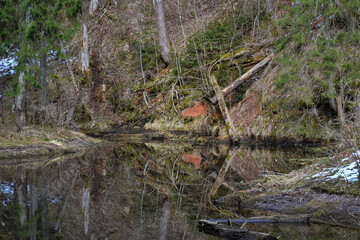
x,y
33,27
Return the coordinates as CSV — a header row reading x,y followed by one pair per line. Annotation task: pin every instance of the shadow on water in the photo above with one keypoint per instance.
x,y
138,191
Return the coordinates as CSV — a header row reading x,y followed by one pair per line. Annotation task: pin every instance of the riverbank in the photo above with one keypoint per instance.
x,y
40,141
255,181
326,190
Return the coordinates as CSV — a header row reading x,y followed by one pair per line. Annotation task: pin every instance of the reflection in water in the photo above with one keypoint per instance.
x,y
20,189
164,220
127,191
44,206
34,196
223,170
85,206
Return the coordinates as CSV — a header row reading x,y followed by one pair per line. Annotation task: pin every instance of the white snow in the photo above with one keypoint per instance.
x,y
349,171
7,65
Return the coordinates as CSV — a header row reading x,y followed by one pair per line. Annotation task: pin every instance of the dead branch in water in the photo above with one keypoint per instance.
x,y
228,232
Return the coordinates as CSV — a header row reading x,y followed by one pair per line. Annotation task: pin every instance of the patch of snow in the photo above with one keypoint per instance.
x,y
355,155
6,189
7,65
349,172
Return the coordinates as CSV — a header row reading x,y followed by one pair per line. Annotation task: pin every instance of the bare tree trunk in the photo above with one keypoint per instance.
x,y
162,31
93,6
85,51
43,69
20,103
140,50
340,111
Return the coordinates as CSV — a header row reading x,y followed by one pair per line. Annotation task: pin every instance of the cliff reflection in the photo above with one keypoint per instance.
x,y
124,190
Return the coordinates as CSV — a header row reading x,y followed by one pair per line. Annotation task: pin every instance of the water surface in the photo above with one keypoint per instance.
x,y
137,191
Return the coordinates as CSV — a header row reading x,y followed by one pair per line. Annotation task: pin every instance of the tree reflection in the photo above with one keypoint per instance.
x,y
103,192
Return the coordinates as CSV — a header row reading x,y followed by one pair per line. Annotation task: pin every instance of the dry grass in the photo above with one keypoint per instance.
x,y
39,141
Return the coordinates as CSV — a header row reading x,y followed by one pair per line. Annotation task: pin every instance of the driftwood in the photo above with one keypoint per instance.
x,y
226,91
228,232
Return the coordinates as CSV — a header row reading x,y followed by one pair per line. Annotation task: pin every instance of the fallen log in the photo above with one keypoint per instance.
x,y
224,111
223,170
226,91
231,232
231,55
265,219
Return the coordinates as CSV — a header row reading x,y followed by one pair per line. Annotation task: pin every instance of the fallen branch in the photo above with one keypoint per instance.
x,y
223,170
233,54
227,232
226,91
222,105
224,111
265,219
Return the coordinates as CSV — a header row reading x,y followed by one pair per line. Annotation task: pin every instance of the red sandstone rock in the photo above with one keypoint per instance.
x,y
192,158
246,111
197,110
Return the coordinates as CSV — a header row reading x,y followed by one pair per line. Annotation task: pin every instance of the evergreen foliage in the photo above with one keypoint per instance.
x,y
318,57
34,28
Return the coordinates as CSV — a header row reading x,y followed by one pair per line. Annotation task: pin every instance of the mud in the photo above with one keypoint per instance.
x,y
339,210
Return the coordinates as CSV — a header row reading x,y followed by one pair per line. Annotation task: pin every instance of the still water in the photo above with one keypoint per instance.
x,y
138,191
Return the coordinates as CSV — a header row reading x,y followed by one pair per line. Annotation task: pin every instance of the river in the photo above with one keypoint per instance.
x,y
137,190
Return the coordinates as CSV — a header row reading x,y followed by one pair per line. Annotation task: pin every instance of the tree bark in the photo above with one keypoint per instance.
x,y
162,31
340,111
85,206
20,103
85,51
224,111
226,91
93,6
140,50
43,69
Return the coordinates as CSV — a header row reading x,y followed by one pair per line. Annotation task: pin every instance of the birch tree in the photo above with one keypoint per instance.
x,y
93,6
84,55
162,31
